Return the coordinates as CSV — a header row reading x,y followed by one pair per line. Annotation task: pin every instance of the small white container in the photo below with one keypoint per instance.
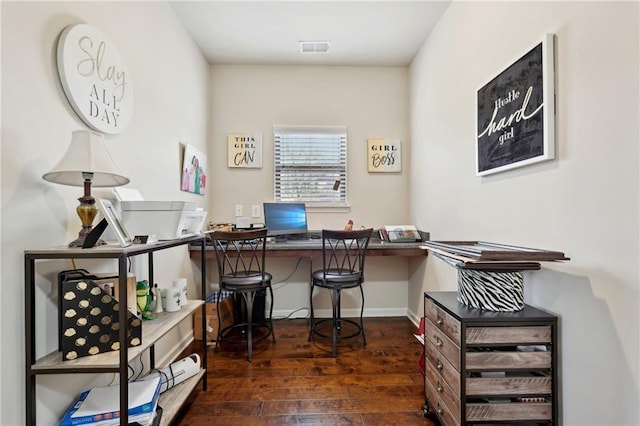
x,y
180,284
171,299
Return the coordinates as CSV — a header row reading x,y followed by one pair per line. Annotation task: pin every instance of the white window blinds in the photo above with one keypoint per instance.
x,y
310,165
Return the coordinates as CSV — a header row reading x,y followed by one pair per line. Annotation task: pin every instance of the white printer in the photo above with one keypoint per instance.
x,y
164,220
158,220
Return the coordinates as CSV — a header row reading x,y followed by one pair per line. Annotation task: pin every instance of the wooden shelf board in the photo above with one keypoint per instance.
x,y
172,400
152,331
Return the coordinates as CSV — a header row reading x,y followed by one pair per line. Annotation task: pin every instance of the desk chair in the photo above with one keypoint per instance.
x,y
241,270
343,255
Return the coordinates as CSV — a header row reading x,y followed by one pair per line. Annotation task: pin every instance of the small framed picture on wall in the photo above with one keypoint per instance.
x,y
384,155
244,151
194,171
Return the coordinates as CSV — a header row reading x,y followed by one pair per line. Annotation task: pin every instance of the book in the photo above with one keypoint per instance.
x,y
101,405
400,233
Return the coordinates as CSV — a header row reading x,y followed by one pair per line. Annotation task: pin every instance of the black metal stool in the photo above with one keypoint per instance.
x,y
343,255
241,270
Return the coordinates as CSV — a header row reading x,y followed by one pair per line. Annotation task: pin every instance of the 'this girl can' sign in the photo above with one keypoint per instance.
x,y
244,151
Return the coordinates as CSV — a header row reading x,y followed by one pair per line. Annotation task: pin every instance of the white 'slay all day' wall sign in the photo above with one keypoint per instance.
x,y
95,79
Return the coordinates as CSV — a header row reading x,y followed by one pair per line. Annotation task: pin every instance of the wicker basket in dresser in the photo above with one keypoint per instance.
x,y
489,367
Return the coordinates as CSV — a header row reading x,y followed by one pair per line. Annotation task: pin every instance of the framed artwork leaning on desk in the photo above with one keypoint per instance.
x,y
113,220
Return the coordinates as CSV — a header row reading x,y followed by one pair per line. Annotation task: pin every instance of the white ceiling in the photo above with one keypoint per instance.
x,y
361,33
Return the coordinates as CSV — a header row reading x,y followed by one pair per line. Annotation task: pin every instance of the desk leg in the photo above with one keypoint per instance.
x,y
310,298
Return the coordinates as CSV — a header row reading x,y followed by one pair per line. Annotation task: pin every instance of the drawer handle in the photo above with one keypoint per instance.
x,y
439,388
439,321
438,341
440,410
439,365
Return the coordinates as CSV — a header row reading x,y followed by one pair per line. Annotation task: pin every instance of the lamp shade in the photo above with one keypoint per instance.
x,y
87,153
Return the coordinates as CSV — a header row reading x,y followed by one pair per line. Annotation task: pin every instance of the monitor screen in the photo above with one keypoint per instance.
x,y
285,218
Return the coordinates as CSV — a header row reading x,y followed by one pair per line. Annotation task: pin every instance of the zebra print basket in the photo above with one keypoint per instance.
x,y
491,291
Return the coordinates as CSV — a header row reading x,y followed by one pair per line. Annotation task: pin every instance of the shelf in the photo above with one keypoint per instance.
x,y
172,400
152,331
110,250
112,361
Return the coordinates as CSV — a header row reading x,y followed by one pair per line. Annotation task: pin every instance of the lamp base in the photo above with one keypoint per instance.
x,y
87,211
79,242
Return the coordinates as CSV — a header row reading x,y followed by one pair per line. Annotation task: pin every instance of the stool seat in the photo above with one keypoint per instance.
x,y
332,278
247,281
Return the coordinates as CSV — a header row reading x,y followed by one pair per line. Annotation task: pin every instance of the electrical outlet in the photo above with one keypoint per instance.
x,y
238,210
255,211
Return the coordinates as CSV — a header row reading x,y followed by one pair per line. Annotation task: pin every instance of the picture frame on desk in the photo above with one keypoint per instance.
x,y
109,213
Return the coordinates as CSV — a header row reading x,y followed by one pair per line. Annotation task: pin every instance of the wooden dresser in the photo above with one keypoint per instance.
x,y
484,366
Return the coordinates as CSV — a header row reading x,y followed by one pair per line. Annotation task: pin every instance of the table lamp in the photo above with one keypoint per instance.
x,y
87,163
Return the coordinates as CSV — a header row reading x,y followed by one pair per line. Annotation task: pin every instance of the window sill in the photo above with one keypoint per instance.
x,y
342,208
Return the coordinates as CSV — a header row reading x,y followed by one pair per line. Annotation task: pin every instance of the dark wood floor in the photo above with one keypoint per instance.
x,y
296,382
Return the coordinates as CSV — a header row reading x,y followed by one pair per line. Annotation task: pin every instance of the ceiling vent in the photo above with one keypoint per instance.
x,y
314,46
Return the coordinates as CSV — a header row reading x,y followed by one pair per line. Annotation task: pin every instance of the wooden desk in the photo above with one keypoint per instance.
x,y
313,248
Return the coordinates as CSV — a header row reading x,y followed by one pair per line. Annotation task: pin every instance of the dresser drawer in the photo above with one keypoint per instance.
x,y
442,343
445,393
505,335
437,406
512,386
509,412
440,365
504,361
443,321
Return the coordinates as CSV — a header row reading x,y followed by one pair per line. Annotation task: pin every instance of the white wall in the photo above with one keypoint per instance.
x,y
171,86
585,202
371,102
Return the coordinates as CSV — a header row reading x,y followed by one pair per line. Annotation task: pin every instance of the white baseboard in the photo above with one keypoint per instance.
x,y
415,318
347,313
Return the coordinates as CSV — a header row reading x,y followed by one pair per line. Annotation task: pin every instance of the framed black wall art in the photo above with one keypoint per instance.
x,y
515,113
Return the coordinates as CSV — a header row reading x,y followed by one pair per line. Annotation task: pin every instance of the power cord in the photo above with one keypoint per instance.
x,y
133,370
288,317
295,268
141,366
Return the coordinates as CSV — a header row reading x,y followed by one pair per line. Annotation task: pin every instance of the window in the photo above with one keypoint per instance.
x,y
310,165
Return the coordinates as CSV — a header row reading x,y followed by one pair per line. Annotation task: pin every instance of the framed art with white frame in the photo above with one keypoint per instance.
x,y
109,213
516,113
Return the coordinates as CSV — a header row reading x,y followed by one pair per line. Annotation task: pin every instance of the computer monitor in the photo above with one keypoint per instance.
x,y
285,218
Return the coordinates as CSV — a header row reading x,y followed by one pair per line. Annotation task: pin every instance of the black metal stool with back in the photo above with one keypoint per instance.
x,y
241,270
343,256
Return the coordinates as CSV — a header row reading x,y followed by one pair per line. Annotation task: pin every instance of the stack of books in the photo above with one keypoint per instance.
x,y
101,405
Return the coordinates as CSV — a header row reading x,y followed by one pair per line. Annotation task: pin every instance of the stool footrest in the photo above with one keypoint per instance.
x,y
226,334
317,322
